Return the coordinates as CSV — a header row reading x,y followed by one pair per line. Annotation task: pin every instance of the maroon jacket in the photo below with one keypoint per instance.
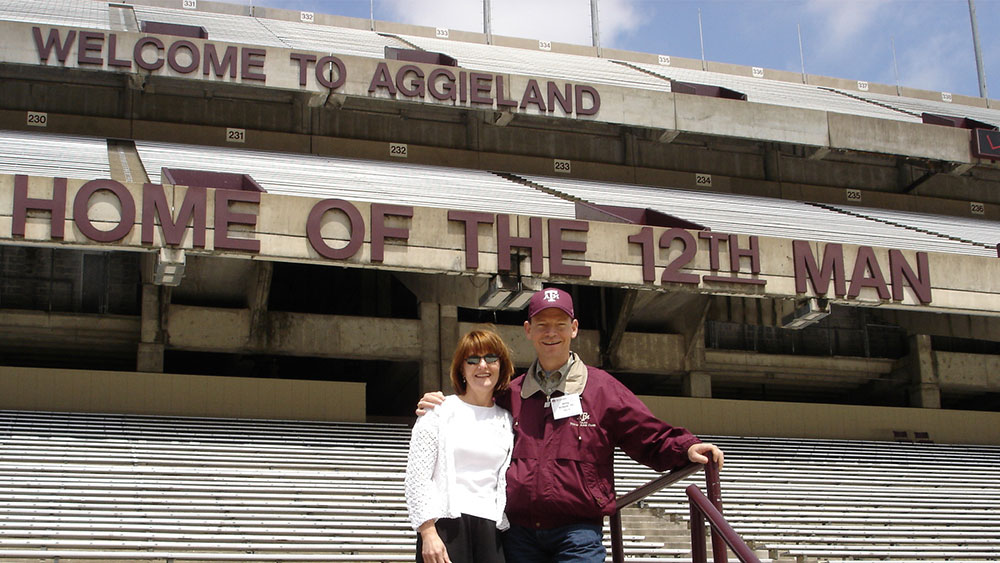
x,y
562,471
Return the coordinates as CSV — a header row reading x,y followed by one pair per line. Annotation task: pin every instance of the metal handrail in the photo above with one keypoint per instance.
x,y
702,507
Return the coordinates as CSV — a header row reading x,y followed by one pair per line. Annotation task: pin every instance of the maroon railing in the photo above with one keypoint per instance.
x,y
702,508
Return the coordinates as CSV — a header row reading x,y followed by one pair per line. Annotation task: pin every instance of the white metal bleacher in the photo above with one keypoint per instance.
x,y
777,92
974,231
563,66
220,27
917,106
330,39
129,488
75,13
360,180
754,215
58,156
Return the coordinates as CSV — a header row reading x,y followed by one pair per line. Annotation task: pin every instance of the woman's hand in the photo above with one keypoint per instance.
x,y
433,549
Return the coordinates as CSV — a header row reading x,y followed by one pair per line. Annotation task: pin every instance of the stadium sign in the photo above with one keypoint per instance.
x,y
284,68
986,143
58,211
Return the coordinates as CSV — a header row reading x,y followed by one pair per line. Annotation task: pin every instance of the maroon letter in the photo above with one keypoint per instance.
x,y
62,50
137,53
805,267
557,246
113,59
447,91
564,99
533,95
735,252
416,87
56,206
321,72
644,238
477,88
154,203
865,262
224,217
172,56
582,89
81,204
899,270
314,227
502,100
213,64
472,220
382,79
380,231
713,247
250,61
532,242
86,46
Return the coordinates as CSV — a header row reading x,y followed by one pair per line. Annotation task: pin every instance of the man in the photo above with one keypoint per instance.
x,y
568,419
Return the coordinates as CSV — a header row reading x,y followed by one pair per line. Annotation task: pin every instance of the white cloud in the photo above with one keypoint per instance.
x,y
847,24
565,21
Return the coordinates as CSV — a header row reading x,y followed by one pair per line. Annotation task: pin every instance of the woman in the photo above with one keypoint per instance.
x,y
456,485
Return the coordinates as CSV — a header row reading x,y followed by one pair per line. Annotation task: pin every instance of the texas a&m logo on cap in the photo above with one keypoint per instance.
x,y
548,299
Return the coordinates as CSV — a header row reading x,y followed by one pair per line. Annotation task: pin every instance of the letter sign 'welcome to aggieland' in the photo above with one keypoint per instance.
x,y
565,252
186,57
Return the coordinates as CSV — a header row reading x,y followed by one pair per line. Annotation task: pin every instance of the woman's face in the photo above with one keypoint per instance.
x,y
481,372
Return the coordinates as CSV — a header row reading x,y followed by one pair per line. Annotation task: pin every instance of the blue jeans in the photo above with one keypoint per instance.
x,y
577,543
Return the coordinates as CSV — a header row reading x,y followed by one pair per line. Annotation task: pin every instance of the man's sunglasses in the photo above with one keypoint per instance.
x,y
490,359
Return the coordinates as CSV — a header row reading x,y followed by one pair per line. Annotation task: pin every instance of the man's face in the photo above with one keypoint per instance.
x,y
551,331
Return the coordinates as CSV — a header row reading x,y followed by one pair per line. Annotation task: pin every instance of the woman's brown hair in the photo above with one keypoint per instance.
x,y
481,342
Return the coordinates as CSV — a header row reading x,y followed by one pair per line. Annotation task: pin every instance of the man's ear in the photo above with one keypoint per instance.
x,y
527,328
576,328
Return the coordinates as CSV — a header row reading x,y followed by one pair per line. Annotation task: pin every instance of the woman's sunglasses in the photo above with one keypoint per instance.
x,y
490,359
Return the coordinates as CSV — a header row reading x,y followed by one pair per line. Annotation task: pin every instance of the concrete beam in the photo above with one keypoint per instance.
x,y
925,390
430,349
698,384
616,330
977,373
211,329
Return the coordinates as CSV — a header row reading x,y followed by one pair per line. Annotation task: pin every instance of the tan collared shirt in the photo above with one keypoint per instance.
x,y
568,379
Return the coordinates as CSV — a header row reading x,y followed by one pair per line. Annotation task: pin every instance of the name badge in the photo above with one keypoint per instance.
x,y
566,405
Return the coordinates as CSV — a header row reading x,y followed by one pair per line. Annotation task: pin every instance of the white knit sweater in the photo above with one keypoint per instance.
x,y
430,467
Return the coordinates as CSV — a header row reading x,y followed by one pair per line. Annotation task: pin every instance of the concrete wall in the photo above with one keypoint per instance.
x,y
179,395
808,420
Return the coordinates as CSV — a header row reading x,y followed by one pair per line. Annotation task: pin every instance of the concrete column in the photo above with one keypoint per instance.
x,y
925,390
698,384
449,337
149,356
430,359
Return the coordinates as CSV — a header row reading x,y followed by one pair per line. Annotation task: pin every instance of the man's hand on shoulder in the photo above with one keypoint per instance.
x,y
698,453
428,402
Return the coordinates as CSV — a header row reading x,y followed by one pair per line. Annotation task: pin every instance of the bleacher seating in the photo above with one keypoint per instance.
x,y
763,216
125,487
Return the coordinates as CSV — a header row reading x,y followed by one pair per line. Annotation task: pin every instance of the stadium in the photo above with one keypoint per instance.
x,y
238,243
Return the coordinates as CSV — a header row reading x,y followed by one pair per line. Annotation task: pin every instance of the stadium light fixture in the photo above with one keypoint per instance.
x,y
169,270
810,312
508,292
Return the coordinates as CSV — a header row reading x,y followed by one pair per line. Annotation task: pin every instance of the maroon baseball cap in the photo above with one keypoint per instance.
x,y
549,298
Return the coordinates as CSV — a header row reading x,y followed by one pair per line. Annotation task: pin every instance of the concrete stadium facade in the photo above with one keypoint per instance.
x,y
224,296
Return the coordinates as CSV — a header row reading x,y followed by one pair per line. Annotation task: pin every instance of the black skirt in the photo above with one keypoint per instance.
x,y
468,539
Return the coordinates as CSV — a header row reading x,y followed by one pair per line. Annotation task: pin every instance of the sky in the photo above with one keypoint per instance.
x,y
851,39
